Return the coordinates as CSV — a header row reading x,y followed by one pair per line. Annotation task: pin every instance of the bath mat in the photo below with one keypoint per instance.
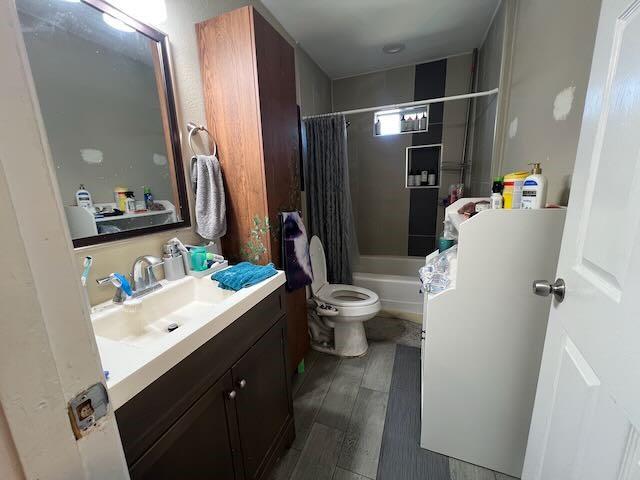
x,y
401,457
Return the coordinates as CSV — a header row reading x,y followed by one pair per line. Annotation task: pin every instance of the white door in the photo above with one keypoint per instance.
x,y
48,353
586,418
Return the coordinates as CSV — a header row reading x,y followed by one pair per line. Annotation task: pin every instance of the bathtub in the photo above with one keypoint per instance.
x,y
395,280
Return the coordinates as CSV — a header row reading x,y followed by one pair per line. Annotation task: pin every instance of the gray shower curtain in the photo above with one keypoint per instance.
x,y
328,195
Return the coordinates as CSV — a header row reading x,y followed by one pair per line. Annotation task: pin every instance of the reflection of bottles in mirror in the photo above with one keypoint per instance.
x,y
148,198
120,198
83,198
130,202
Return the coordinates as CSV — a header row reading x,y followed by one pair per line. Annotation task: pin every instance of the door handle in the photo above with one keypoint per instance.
x,y
242,383
544,289
232,394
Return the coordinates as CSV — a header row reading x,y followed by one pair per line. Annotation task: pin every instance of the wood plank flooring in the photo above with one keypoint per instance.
x,y
340,408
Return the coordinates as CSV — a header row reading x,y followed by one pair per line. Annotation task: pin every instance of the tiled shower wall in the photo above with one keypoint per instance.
x,y
390,219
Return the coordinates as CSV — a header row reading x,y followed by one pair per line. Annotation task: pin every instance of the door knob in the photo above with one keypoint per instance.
x,y
232,394
242,383
544,288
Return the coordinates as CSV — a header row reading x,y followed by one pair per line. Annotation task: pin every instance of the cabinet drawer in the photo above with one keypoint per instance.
x,y
144,418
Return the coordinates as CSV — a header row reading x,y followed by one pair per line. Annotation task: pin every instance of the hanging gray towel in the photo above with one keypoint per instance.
x,y
211,214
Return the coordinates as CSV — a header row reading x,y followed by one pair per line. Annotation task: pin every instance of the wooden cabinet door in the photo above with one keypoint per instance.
x,y
263,400
199,445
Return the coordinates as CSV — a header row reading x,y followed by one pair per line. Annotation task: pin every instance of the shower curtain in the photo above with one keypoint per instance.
x,y
328,196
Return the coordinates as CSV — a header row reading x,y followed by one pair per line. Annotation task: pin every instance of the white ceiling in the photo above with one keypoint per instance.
x,y
345,37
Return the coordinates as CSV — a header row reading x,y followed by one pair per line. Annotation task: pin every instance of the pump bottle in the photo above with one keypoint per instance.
x,y
534,190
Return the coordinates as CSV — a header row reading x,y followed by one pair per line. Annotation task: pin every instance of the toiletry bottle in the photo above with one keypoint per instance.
x,y
403,124
422,124
83,198
120,198
148,198
512,189
173,263
534,190
378,127
130,202
496,199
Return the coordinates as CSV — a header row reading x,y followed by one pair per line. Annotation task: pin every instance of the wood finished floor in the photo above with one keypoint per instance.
x,y
340,407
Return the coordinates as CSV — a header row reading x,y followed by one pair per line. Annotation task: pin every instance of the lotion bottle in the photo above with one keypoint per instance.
x,y
534,190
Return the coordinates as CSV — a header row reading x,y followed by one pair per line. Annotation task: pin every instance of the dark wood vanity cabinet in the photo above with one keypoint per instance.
x,y
197,445
233,426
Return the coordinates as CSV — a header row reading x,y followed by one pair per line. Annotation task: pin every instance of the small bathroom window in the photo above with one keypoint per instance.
x,y
400,121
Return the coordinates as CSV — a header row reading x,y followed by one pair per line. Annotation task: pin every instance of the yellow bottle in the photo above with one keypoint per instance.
x,y
512,193
120,198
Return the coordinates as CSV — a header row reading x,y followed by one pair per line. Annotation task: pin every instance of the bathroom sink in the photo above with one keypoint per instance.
x,y
141,322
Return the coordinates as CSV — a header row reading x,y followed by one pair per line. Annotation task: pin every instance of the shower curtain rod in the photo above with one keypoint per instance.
x,y
408,104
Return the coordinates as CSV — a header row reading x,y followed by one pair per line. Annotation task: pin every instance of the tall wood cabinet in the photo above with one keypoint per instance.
x,y
248,76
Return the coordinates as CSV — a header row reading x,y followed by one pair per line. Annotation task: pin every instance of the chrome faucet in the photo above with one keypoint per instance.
x,y
143,279
119,296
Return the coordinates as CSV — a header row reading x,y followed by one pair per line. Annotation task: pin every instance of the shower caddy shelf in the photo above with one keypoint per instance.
x,y
437,168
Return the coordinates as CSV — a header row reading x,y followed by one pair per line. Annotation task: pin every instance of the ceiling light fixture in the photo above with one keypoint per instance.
x,y
392,48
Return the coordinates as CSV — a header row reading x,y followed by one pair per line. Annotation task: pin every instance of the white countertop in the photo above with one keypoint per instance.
x,y
133,367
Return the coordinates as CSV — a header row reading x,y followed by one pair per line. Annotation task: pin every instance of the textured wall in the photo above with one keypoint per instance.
x,y
551,62
180,26
313,86
454,122
489,61
377,164
10,468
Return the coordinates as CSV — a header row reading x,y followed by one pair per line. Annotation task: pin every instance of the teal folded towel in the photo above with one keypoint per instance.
x,y
243,275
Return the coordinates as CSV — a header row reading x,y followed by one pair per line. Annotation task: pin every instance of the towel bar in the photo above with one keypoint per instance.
x,y
193,129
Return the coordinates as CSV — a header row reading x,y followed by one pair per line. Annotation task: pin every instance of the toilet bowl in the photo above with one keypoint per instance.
x,y
340,308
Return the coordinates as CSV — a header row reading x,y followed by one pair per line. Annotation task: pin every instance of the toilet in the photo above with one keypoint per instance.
x,y
338,309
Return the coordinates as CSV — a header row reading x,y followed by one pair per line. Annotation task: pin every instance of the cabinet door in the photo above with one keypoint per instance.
x,y
263,400
198,445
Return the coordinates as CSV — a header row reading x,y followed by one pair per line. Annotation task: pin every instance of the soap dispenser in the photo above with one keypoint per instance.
x,y
534,190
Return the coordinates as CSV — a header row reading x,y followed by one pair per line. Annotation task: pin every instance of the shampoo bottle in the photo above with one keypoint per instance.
x,y
534,190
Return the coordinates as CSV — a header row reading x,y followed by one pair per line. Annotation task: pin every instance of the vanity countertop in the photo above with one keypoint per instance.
x,y
133,365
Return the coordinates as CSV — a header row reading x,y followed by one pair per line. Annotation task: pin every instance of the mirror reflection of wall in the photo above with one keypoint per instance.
x,y
101,92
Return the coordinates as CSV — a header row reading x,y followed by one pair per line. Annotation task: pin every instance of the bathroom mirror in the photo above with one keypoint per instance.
x,y
104,86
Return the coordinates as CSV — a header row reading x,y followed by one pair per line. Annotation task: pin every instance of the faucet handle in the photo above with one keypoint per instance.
x,y
112,279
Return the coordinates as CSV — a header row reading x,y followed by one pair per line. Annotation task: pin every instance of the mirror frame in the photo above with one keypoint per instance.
x,y
162,41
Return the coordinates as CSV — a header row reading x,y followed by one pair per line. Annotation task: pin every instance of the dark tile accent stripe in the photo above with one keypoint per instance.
x,y
430,82
401,457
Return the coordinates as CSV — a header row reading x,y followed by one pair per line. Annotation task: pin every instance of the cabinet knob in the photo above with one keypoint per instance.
x,y
232,394
242,383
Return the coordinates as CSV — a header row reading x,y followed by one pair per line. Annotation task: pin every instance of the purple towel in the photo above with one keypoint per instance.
x,y
295,251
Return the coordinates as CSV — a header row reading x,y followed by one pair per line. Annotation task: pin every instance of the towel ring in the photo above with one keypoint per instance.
x,y
193,129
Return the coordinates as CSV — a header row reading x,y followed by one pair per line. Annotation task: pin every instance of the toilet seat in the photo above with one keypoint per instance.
x,y
346,295
353,306
335,294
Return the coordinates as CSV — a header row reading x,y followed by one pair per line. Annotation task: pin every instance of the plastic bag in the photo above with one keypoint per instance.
x,y
439,273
